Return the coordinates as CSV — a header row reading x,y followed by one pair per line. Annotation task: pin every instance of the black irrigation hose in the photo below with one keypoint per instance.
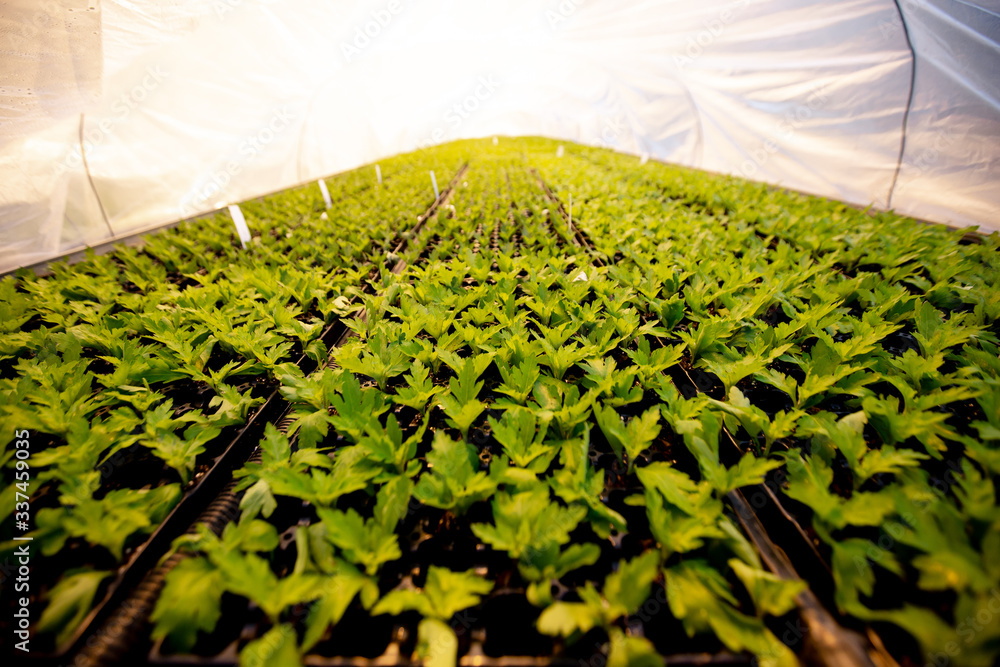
x,y
112,642
116,638
122,631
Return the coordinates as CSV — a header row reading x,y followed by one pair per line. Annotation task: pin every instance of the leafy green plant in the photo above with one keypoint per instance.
x,y
69,602
631,439
624,592
650,364
178,452
419,391
615,387
707,337
700,597
809,480
521,442
561,359
109,521
355,408
560,406
379,359
367,543
453,481
682,513
518,381
731,365
461,404
576,481
741,413
387,447
701,431
532,529
846,435
444,594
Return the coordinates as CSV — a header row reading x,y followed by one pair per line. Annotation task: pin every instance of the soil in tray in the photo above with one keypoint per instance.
x,y
232,621
509,623
360,634
667,633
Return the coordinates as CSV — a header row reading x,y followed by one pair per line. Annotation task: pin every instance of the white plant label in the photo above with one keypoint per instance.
x,y
241,224
560,151
434,182
378,174
326,193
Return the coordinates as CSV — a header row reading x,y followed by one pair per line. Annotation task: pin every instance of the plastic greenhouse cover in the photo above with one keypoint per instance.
x,y
119,116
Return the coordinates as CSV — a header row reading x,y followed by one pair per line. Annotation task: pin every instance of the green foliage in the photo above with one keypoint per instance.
x,y
862,347
809,480
624,592
453,480
368,543
631,439
518,381
69,602
700,597
444,594
419,391
108,522
701,431
532,529
682,513
521,442
461,404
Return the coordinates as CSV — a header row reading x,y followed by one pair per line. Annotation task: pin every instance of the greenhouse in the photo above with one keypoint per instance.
x,y
669,337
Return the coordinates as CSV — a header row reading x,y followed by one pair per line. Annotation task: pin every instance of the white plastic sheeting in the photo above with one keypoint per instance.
x,y
118,116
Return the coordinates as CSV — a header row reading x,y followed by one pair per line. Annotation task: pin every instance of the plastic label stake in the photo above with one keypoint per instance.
x,y
241,224
560,151
326,193
434,182
378,174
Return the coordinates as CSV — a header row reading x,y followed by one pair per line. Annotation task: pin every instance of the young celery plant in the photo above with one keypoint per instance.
x,y
632,439
532,529
461,404
444,594
624,592
453,481
367,543
516,433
